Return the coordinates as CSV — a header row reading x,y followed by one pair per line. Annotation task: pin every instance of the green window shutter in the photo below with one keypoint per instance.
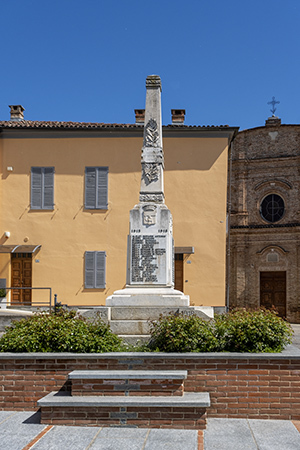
x,y
96,187
95,263
42,187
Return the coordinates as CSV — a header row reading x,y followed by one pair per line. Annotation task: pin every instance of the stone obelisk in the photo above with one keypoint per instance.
x,y
150,251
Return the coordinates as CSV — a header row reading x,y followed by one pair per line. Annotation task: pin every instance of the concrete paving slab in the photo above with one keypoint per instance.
x,y
75,438
116,444
5,415
123,432
228,434
271,434
172,439
18,430
120,439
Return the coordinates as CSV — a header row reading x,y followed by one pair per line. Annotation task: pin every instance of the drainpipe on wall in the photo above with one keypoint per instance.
x,y
228,227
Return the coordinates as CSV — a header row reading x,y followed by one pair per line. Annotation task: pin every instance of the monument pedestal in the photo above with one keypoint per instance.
x,y
148,297
131,309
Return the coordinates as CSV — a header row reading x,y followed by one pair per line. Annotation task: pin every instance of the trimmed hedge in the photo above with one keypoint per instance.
x,y
59,332
238,331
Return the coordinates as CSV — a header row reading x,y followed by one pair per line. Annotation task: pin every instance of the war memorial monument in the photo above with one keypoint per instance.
x,y
149,289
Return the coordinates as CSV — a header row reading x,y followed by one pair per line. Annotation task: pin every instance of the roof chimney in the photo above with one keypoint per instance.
x,y
273,121
16,113
178,116
139,116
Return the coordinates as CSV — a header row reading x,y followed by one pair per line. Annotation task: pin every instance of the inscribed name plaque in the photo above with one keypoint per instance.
x,y
148,259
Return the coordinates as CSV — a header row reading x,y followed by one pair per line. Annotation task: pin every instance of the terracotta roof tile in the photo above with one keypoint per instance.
x,y
90,125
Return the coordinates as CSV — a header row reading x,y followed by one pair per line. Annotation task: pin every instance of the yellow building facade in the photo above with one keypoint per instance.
x,y
66,190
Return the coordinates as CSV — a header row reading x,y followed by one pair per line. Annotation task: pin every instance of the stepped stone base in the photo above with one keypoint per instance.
x,y
153,313
127,382
129,327
128,321
9,315
135,339
148,297
129,310
186,412
132,398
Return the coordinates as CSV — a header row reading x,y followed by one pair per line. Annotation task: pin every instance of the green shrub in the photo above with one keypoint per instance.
x,y
252,331
62,332
238,331
179,333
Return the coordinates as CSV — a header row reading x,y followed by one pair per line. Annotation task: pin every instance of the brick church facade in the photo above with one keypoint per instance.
x,y
264,211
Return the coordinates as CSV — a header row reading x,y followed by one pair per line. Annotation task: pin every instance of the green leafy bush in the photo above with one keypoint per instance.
x,y
255,331
237,331
61,332
179,333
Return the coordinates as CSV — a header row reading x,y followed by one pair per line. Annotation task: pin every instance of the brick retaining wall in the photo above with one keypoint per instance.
x,y
142,417
264,386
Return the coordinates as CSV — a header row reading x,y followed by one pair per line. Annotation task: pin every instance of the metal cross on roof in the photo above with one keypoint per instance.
x,y
273,103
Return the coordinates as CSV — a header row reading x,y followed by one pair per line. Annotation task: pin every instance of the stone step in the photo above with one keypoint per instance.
x,y
127,382
64,399
128,374
7,316
135,339
129,327
188,411
148,296
153,313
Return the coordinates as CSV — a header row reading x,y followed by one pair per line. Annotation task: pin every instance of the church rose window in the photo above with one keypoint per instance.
x,y
272,208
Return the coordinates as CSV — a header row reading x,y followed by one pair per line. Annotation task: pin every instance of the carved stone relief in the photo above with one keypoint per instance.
x,y
157,198
150,172
149,215
151,135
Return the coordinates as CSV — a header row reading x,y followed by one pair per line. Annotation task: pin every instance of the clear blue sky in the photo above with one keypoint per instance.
x,y
87,61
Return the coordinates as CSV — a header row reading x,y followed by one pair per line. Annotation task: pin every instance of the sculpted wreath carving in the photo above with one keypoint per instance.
x,y
150,173
151,134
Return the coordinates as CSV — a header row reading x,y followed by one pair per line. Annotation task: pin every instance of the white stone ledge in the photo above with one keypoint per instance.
x,y
189,399
291,352
128,374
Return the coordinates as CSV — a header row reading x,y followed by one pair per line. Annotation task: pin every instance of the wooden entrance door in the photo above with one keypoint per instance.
x,y
179,272
273,291
21,276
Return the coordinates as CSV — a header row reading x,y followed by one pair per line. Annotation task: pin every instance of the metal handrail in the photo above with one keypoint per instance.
x,y
36,304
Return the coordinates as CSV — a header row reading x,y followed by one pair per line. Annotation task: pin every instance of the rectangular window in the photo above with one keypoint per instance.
x,y
96,187
42,188
95,263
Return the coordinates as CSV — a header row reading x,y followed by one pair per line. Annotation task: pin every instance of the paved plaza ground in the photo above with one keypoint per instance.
x,y
22,431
